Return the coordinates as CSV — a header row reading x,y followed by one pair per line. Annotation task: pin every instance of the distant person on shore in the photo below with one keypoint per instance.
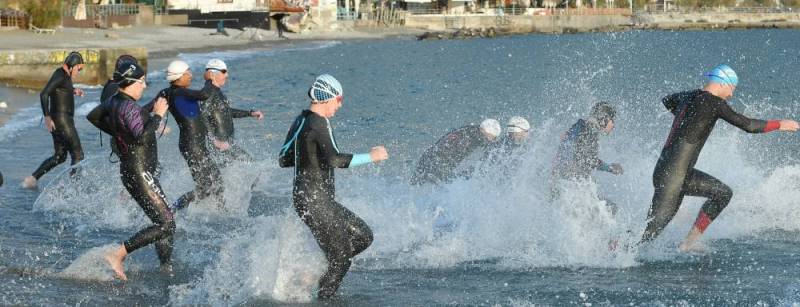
x,y
184,105
578,154
696,112
134,131
219,115
280,24
58,106
311,148
437,165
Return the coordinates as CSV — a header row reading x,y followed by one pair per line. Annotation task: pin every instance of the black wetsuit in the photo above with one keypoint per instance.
x,y
134,132
58,102
440,160
696,112
102,111
311,149
578,157
219,117
184,105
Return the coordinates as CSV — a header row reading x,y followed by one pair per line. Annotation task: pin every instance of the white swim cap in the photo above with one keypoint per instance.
x,y
176,69
491,127
217,64
518,124
325,87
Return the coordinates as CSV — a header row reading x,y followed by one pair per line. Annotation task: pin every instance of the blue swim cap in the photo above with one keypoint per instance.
x,y
325,87
723,74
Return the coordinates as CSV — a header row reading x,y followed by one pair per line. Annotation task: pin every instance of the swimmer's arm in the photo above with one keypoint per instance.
x,y
55,81
745,123
136,123
330,152
671,102
239,113
198,95
98,117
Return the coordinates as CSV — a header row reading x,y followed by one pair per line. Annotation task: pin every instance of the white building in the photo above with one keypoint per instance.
x,y
211,6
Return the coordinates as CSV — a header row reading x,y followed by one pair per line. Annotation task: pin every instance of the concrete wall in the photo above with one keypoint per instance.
x,y
519,23
32,68
171,20
687,19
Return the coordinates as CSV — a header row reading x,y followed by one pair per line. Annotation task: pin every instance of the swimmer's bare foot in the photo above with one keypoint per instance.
x,y
114,259
29,182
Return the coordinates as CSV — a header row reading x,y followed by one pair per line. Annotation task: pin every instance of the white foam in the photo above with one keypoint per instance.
x,y
91,265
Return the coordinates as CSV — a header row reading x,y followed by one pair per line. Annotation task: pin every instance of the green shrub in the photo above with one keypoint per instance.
x,y
43,13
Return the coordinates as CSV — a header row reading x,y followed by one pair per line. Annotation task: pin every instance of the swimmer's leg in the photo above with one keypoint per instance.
x,y
718,195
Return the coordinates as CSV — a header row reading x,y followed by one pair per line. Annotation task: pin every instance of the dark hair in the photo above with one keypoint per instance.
x,y
72,59
603,112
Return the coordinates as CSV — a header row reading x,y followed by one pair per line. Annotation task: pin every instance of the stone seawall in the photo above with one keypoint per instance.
x,y
33,68
591,23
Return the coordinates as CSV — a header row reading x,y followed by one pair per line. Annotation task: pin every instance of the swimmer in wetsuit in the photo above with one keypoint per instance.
x,y
507,153
58,107
110,89
134,131
184,105
696,112
577,155
438,163
219,115
311,149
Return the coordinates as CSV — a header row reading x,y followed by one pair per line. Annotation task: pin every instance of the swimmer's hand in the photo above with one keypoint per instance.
x,y
49,124
257,114
221,145
616,168
789,125
378,153
160,107
79,92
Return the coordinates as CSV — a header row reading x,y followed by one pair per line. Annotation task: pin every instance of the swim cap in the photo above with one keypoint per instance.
x,y
128,73
491,127
125,59
72,59
723,74
176,69
518,124
602,113
216,64
325,87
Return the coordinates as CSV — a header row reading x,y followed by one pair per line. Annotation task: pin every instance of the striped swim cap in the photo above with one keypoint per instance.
x,y
325,87
723,74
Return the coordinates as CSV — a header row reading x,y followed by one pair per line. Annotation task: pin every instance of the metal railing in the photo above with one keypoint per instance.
x,y
673,9
343,15
103,10
13,18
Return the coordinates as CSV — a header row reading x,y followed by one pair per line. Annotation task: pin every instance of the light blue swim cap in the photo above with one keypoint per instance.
x,y
325,87
723,74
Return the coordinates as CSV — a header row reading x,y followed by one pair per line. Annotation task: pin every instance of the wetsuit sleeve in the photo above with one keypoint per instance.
x,y
328,148
671,102
55,81
603,166
743,122
136,123
202,94
361,159
239,113
98,117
